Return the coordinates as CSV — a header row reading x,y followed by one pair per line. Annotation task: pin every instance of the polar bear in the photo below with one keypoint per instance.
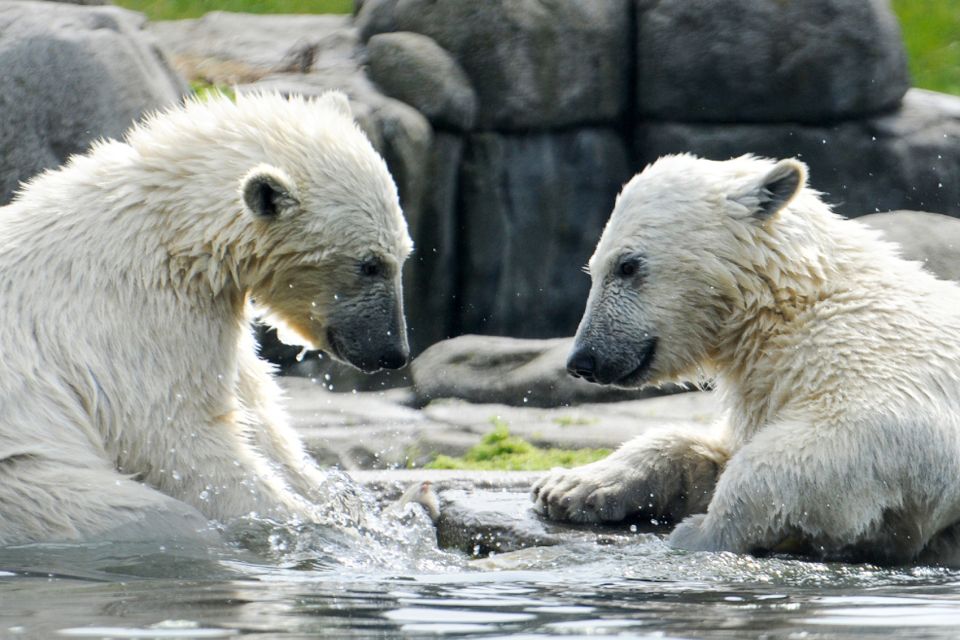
x,y
838,363
131,396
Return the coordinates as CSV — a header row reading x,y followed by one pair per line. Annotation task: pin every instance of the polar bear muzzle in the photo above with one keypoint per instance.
x,y
624,368
369,332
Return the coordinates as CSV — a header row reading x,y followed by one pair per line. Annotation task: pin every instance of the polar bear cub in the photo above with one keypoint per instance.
x,y
131,395
838,363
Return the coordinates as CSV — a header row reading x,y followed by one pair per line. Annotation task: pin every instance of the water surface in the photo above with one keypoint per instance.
x,y
316,584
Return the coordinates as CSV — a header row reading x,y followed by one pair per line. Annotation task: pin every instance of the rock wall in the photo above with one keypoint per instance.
x,y
510,125
574,97
71,75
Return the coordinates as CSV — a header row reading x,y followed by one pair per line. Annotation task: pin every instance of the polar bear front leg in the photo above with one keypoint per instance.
x,y
666,474
816,488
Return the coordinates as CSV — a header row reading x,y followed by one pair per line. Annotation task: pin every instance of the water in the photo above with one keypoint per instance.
x,y
636,587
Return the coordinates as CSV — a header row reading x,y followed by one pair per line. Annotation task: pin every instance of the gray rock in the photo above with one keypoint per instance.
x,y
532,209
390,485
534,64
594,426
907,159
72,75
232,48
487,369
414,69
484,522
930,238
431,272
749,61
378,430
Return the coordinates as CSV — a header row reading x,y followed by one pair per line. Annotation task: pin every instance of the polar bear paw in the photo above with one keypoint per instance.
x,y
604,491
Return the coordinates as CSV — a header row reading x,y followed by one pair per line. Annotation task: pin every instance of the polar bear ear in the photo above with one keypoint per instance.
x,y
338,101
774,190
268,192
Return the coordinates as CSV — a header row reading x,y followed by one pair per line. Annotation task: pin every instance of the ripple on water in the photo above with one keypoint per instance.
x,y
296,581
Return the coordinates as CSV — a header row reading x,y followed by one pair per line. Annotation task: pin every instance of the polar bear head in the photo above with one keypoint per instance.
x,y
285,201
671,264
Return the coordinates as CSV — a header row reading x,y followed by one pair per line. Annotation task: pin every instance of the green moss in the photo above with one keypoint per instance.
x,y
498,450
931,33
204,90
180,9
569,421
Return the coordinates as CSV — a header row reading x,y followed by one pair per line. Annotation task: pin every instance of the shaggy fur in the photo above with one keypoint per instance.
x,y
130,391
837,361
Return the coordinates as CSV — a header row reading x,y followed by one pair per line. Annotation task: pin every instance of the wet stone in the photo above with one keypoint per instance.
x,y
483,522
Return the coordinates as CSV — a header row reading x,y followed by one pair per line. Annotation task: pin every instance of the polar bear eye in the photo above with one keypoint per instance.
x,y
371,267
628,268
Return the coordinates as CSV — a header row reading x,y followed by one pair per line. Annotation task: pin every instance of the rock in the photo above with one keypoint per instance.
x,y
72,75
481,522
379,430
432,270
907,159
745,61
510,371
533,64
531,211
390,485
930,238
233,48
414,69
595,426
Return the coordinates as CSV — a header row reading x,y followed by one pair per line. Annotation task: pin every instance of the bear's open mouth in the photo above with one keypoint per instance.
x,y
647,354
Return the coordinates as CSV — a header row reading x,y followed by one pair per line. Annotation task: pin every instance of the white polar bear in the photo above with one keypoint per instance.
x,y
838,363
131,396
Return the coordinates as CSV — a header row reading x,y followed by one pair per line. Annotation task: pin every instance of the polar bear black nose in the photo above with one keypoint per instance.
x,y
394,358
582,364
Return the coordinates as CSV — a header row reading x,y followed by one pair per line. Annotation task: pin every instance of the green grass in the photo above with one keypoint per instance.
x,y
179,9
931,32
499,451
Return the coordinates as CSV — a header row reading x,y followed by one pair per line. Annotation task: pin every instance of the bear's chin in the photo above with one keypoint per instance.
x,y
643,374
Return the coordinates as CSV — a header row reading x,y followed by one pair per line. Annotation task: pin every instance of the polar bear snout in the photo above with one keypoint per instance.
x,y
370,341
582,364
628,367
362,349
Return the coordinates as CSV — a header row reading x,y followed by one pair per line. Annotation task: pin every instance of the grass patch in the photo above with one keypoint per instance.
x,y
569,421
203,90
181,9
931,34
499,451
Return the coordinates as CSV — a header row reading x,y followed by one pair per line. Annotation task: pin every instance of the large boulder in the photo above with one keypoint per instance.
x,y
906,159
431,272
531,210
72,75
930,238
535,64
768,61
489,369
415,69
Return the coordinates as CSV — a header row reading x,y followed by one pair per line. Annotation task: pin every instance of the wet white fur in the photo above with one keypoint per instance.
x,y
129,385
838,363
